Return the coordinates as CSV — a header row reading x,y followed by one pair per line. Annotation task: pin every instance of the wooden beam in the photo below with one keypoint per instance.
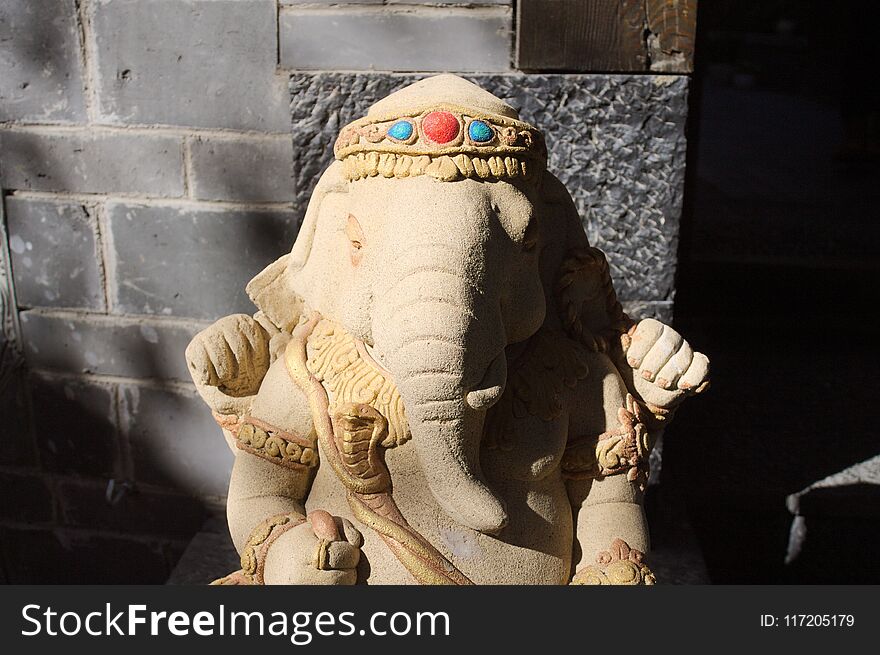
x,y
606,35
672,25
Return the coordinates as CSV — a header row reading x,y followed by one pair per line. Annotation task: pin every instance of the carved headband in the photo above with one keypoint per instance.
x,y
446,142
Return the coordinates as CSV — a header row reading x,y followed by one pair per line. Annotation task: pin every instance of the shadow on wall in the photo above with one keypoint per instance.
x,y
105,473
107,469
127,465
125,459
75,519
787,408
775,281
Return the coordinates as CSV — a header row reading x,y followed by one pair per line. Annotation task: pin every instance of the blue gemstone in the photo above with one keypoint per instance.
x,y
480,132
401,130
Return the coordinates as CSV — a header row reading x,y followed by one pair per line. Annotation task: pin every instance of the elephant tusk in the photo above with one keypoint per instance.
x,y
492,385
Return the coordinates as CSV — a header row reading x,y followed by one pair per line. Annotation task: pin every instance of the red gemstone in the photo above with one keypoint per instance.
x,y
440,126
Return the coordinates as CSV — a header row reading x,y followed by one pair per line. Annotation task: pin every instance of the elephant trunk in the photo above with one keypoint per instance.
x,y
443,340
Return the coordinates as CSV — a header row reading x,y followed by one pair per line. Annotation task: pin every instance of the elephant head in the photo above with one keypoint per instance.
x,y
424,240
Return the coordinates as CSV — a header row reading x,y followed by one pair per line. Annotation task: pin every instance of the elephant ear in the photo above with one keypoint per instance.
x,y
588,307
272,290
332,181
273,294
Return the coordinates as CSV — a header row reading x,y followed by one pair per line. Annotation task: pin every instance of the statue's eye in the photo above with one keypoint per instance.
x,y
356,237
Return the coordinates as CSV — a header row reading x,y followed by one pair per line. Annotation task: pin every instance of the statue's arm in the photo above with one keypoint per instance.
x,y
605,470
609,516
259,489
276,456
619,412
278,541
267,422
275,465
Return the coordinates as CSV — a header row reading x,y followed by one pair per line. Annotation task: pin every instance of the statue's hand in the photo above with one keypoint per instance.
x,y
665,368
228,361
324,550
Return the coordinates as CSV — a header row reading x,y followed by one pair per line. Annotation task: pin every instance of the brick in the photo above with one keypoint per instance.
x,y
192,262
72,557
75,426
39,56
330,2
616,141
244,171
17,443
174,440
447,3
85,504
55,254
83,161
435,3
106,345
26,498
429,39
201,63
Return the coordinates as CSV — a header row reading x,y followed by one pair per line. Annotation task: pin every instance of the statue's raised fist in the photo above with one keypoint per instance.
x,y
665,367
228,360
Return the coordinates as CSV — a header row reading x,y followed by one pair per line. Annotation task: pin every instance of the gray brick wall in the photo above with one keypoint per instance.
x,y
241,169
92,160
42,70
199,63
145,161
119,346
154,155
215,248
174,442
377,38
55,247
430,3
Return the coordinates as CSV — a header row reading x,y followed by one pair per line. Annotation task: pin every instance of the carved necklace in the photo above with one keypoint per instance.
x,y
351,433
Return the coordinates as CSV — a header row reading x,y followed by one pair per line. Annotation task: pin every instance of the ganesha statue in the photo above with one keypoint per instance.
x,y
440,385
